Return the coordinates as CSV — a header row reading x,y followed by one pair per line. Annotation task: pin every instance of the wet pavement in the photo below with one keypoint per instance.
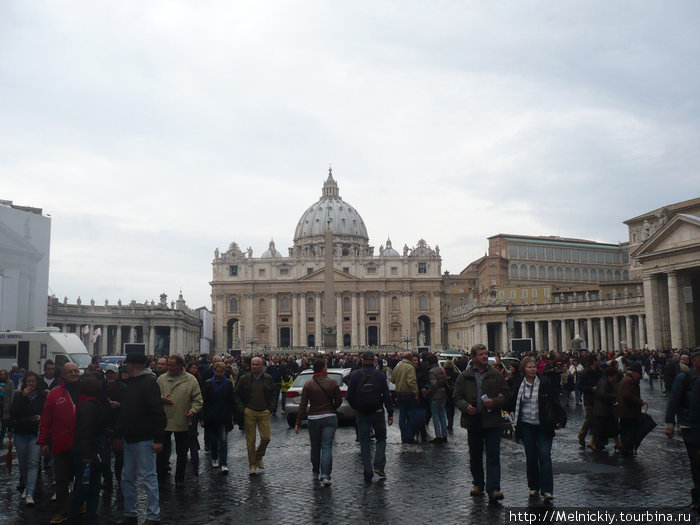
x,y
426,483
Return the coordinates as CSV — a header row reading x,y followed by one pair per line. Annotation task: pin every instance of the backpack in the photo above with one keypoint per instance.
x,y
369,393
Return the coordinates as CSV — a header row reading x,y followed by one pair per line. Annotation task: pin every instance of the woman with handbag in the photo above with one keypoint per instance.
x,y
537,413
323,393
217,415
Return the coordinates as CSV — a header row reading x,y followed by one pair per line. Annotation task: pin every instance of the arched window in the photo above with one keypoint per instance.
x,y
585,274
550,272
422,302
609,275
394,303
533,272
626,275
261,306
310,305
594,275
514,270
523,271
372,302
542,273
577,274
233,305
560,273
567,273
617,275
346,304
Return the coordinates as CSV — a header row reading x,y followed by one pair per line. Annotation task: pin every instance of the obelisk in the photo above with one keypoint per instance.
x,y
329,314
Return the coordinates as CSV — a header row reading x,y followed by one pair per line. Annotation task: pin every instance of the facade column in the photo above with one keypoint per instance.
x,y
485,334
151,339
249,317
674,311
363,320
650,309
437,322
118,340
406,328
318,334
339,320
616,333
589,334
295,320
303,341
505,346
353,320
274,336
551,339
628,331
129,334
640,328
383,318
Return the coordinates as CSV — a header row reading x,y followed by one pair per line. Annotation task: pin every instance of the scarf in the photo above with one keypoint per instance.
x,y
533,390
219,385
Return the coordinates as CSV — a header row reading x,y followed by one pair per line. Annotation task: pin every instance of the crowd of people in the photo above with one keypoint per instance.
x,y
115,425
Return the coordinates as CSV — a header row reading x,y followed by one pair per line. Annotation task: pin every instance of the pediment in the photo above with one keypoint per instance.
x,y
320,276
680,233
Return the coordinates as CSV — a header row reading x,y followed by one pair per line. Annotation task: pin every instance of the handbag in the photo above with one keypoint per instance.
x,y
646,424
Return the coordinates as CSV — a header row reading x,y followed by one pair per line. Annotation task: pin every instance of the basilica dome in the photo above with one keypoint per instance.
x,y
344,219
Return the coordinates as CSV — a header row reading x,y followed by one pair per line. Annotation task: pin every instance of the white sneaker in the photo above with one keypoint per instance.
x,y
30,500
325,482
24,494
215,463
224,469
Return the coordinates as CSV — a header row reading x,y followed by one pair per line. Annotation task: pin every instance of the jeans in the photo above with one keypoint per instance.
x,y
218,443
538,454
365,422
182,445
437,407
407,404
256,420
29,457
579,395
88,494
140,465
321,433
490,439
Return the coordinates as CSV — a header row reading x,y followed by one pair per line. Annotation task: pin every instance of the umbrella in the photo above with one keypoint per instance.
x,y
8,456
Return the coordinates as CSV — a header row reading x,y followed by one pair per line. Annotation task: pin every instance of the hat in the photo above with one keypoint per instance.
x,y
111,368
367,356
135,358
635,368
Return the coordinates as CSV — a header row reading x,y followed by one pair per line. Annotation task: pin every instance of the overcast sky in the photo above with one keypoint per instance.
x,y
155,132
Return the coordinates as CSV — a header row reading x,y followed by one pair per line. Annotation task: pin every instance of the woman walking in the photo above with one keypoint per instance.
x,y
323,393
217,415
437,393
538,413
25,413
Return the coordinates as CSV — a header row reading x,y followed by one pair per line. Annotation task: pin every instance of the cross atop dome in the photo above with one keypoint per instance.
x,y
330,187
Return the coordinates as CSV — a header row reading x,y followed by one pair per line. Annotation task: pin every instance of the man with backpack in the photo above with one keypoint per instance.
x,y
368,395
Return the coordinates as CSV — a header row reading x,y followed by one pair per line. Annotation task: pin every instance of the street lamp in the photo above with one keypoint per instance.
x,y
406,338
251,340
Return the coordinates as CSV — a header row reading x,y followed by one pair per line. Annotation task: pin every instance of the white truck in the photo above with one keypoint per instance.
x,y
29,350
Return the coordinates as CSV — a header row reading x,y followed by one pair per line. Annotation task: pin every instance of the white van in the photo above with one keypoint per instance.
x,y
29,350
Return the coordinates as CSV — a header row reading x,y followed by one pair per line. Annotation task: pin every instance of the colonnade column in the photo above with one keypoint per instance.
x,y
589,334
538,336
151,339
318,334
640,328
505,346
383,318
363,319
649,307
118,340
550,335
302,321
338,320
616,334
628,331
353,320
603,335
273,321
563,345
674,311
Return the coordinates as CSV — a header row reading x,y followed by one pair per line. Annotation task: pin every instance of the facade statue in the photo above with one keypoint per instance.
x,y
405,250
216,253
92,302
78,302
106,302
646,230
250,252
381,249
119,302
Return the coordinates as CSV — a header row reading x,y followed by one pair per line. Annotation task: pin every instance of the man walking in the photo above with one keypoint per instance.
x,y
182,399
254,398
368,395
139,433
57,429
480,393
629,408
587,382
404,378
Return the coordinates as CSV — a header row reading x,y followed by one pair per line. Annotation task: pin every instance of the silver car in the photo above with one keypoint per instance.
x,y
345,411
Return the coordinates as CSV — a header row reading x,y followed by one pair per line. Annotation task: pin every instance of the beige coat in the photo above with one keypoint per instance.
x,y
183,390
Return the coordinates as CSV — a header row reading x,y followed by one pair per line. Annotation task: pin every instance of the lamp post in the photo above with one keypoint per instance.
x,y
406,338
251,340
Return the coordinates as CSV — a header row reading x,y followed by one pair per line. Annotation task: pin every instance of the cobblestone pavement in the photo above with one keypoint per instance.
x,y
426,483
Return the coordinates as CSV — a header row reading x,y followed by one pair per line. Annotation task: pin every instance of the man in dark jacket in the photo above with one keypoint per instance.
x,y
587,383
274,369
480,393
114,393
253,396
372,415
629,408
141,424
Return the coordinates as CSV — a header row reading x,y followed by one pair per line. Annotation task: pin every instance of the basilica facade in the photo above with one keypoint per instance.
x,y
331,290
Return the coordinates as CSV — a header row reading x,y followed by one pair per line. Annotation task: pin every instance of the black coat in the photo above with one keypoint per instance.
x,y
218,406
24,409
587,381
141,417
548,405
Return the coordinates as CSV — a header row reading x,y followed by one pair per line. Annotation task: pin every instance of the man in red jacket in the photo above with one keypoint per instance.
x,y
57,429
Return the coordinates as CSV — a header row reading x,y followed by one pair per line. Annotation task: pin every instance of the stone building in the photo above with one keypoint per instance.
x,y
331,290
164,328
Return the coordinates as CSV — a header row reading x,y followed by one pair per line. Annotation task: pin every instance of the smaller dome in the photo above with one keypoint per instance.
x,y
271,252
389,251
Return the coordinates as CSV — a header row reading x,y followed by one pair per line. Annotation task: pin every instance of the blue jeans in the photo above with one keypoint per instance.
x,y
28,454
437,407
579,395
321,433
140,465
490,439
538,454
365,422
407,404
218,443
